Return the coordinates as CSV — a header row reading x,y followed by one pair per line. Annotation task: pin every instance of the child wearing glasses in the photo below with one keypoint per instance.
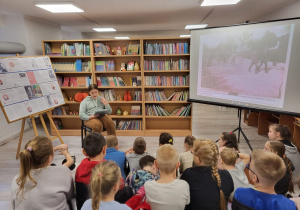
x,y
265,170
228,162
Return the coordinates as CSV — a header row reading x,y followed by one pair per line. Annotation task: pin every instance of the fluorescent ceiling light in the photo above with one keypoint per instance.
x,y
122,37
104,29
195,26
185,35
59,7
218,2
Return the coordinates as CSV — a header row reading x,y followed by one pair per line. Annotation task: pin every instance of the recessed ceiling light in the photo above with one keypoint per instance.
x,y
185,35
218,2
59,7
195,26
122,37
104,29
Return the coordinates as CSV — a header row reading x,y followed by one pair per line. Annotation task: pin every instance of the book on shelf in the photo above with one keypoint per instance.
x,y
109,95
105,65
135,110
65,96
66,82
166,48
102,49
133,81
61,110
129,125
167,80
110,81
130,65
137,95
156,65
133,49
77,49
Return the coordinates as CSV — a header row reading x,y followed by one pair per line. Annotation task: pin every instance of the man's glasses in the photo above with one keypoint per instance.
x,y
248,167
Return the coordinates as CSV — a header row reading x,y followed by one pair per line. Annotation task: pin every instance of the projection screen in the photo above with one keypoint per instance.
x,y
254,66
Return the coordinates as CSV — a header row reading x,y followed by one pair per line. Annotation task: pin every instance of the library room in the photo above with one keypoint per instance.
x,y
149,105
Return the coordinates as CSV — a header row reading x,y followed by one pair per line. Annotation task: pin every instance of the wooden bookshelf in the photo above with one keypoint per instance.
x,y
151,125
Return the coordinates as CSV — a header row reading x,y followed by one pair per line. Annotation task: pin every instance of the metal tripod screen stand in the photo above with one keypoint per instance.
x,y
240,130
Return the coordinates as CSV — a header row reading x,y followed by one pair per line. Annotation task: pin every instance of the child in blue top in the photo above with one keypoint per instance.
x,y
265,170
104,185
112,153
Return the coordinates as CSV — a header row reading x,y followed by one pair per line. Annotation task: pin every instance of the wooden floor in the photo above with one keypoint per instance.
x,y
208,122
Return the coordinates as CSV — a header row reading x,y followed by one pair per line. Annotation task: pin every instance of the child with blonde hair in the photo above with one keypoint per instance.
x,y
227,140
205,180
186,158
286,183
105,181
236,170
282,133
167,192
39,185
265,170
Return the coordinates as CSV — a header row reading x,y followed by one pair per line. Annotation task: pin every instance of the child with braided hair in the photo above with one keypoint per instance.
x,y
208,185
39,185
285,184
282,133
104,184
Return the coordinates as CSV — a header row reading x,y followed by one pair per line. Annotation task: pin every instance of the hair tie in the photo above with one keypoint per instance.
x,y
29,149
170,141
100,174
230,132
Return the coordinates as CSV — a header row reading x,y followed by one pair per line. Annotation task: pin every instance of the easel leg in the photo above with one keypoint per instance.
x,y
34,126
44,125
20,138
53,125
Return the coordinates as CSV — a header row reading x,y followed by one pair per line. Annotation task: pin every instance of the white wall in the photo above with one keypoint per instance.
x,y
30,32
289,10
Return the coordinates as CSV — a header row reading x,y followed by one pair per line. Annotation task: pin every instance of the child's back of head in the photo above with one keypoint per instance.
x,y
165,138
230,140
105,176
189,140
93,144
228,156
147,163
166,158
112,141
269,167
139,145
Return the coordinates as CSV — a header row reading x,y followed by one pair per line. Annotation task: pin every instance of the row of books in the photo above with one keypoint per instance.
x,y
158,95
77,49
77,66
105,66
166,48
73,81
62,110
156,110
167,80
129,125
109,95
181,64
110,81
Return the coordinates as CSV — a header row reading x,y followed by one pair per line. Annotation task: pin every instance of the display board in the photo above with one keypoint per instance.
x,y
28,85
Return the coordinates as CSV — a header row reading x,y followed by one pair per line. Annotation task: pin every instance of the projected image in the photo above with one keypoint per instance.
x,y
246,65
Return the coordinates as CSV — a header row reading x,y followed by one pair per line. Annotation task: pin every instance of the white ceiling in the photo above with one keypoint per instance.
x,y
139,18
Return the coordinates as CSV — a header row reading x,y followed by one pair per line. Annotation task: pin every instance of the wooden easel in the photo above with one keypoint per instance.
x,y
35,129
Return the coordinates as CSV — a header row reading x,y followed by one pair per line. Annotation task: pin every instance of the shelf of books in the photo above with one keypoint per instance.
x,y
166,86
146,82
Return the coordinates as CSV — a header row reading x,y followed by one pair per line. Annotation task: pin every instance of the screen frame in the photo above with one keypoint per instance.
x,y
236,105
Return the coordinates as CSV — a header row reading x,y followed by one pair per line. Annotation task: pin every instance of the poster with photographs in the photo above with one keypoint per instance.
x,y
28,85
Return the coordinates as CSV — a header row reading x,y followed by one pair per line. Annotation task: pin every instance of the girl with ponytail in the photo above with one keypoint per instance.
x,y
104,185
208,185
285,184
39,186
282,133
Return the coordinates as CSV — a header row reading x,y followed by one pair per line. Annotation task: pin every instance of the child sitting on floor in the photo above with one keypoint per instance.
x,y
113,153
186,158
148,171
138,151
228,162
39,185
266,169
104,185
167,192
